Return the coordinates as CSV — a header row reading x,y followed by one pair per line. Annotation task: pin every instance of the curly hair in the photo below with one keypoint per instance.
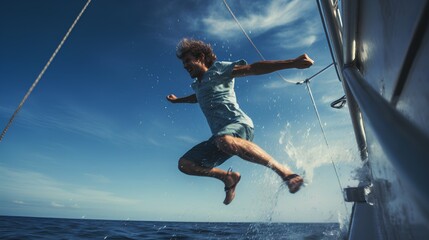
x,y
196,48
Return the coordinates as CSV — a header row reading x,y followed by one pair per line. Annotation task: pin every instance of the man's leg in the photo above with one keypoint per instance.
x,y
230,179
253,153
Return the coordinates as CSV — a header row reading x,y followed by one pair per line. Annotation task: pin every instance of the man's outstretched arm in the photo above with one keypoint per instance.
x,y
264,67
188,99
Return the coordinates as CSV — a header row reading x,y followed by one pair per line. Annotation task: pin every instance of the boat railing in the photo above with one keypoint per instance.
x,y
405,146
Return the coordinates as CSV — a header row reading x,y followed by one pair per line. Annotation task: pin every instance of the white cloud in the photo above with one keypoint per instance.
x,y
97,178
38,189
301,36
77,120
259,17
188,139
282,84
57,205
153,142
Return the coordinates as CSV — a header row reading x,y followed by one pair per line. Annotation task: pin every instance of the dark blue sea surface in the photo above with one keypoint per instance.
x,y
56,228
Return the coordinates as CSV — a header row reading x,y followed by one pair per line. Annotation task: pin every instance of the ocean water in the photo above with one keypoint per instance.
x,y
55,228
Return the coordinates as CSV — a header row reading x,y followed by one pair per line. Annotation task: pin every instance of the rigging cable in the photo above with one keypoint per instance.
x,y
326,141
250,40
306,81
43,71
319,72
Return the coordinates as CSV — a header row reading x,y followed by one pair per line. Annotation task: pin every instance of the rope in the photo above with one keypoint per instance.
x,y
306,81
316,111
259,52
319,72
43,71
250,40
339,103
326,140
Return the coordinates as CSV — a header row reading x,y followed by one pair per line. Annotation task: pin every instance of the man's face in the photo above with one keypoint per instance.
x,y
194,66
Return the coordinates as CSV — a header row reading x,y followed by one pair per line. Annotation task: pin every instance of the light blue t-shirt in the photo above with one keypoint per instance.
x,y
216,97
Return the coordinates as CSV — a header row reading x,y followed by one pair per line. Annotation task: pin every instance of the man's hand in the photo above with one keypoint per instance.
x,y
303,61
171,98
188,99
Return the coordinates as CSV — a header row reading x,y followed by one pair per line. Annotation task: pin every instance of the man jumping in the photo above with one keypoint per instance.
x,y
232,129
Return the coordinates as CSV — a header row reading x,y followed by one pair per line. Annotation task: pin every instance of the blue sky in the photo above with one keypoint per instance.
x,y
97,139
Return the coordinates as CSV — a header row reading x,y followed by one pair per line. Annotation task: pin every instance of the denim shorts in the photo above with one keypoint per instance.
x,y
207,154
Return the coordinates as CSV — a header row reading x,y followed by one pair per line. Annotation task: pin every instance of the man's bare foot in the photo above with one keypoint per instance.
x,y
293,182
231,181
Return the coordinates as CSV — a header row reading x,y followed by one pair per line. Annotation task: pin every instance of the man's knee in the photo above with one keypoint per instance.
x,y
184,165
227,144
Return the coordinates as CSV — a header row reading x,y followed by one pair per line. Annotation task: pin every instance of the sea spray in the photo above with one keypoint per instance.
x,y
308,151
274,204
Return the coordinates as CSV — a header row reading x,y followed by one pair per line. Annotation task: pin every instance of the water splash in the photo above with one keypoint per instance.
x,y
275,201
309,152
